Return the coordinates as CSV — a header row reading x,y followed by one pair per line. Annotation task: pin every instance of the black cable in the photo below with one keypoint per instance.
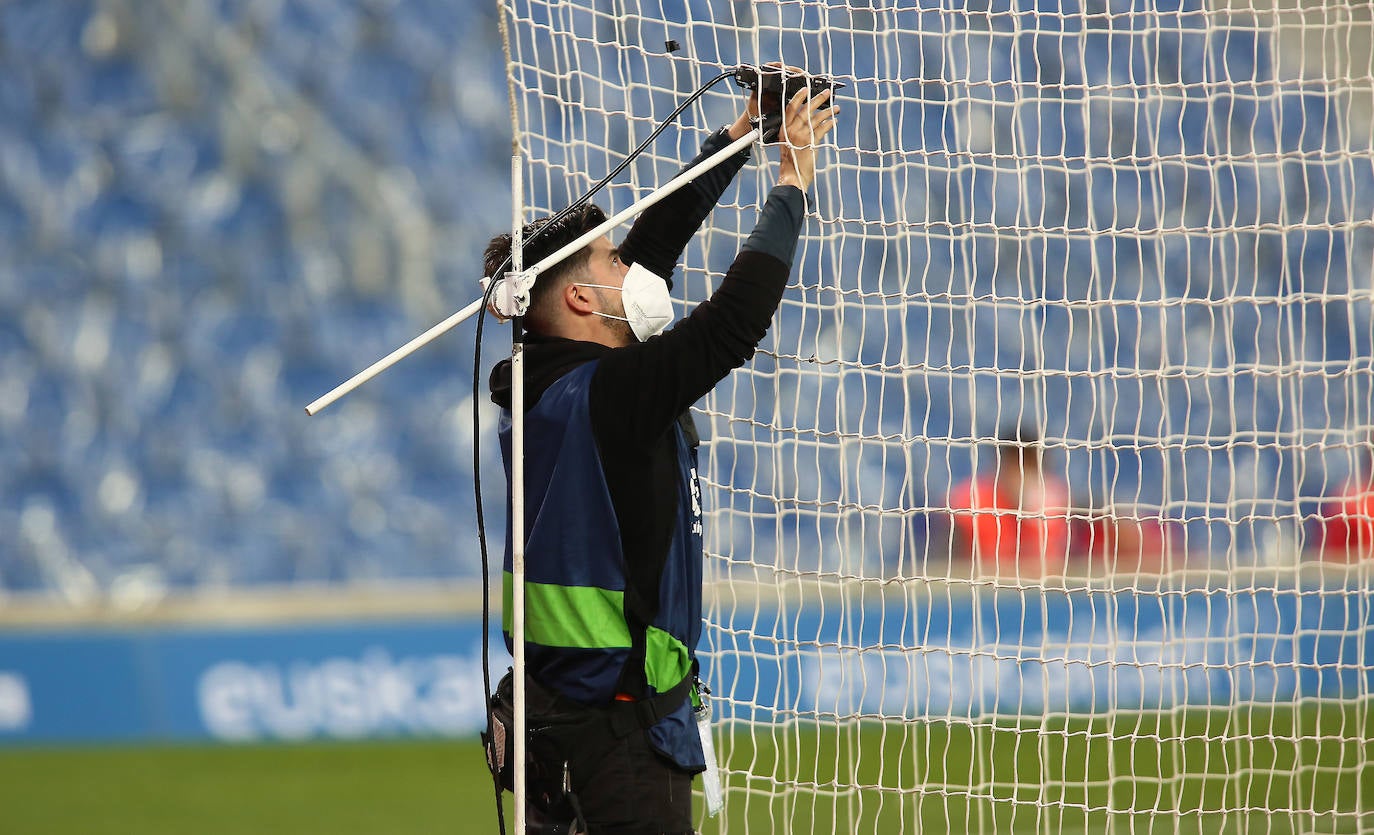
x,y
476,415
600,184
486,574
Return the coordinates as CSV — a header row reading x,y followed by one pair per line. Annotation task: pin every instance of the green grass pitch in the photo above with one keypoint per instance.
x,y
344,788
1201,771
1245,770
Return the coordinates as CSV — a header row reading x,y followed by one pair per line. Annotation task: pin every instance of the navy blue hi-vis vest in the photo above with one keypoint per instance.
x,y
577,635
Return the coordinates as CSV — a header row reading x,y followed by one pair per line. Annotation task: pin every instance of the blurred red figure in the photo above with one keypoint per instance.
x,y
1126,542
1347,523
1016,519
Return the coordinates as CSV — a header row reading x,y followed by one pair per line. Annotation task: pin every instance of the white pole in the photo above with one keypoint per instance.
x,y
451,322
394,357
517,498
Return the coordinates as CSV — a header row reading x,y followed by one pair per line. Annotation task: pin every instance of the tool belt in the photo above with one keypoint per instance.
x,y
555,723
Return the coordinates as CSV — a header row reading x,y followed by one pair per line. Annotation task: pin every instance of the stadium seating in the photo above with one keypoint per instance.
x,y
209,218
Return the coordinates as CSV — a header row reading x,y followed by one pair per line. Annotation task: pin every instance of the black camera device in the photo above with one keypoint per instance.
x,y
775,87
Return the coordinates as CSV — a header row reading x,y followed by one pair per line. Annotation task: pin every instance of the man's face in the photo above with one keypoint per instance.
x,y
604,267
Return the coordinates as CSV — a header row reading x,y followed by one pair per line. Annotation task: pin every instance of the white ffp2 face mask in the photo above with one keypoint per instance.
x,y
648,306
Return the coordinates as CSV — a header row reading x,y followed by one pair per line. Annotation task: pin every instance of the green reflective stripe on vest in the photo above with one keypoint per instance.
x,y
585,617
666,660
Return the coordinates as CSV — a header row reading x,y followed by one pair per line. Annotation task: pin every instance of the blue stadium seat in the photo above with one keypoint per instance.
x,y
226,306
1241,54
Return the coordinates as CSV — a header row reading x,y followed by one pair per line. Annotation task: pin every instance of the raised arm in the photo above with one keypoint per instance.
x,y
661,233
639,390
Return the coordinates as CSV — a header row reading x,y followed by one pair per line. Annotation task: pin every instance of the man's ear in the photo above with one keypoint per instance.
x,y
578,299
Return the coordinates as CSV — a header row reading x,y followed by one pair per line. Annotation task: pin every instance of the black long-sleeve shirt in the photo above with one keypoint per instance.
x,y
639,390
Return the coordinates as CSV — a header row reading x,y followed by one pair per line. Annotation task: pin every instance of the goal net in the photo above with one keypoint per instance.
x,y
1044,506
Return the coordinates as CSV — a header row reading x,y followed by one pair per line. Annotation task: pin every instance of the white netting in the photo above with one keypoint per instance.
x,y
1139,232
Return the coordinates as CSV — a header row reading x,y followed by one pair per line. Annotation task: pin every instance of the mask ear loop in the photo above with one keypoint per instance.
x,y
624,319
601,286
604,287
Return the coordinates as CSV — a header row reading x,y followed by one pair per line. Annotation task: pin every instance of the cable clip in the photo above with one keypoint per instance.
x,y
511,297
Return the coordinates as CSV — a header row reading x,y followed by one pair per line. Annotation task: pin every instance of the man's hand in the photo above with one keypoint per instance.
x,y
806,123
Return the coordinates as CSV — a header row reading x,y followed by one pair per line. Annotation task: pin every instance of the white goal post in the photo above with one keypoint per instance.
x,y
1040,508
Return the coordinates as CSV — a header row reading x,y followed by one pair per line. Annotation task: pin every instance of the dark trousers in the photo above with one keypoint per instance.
x,y
619,784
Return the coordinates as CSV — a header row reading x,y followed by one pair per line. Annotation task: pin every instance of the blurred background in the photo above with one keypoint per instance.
x,y
213,212
210,214
1139,230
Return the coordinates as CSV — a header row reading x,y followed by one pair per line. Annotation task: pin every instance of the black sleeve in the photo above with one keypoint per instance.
x,y
661,233
638,391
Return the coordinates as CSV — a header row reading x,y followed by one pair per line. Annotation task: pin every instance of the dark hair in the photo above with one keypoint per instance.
x,y
580,221
1014,437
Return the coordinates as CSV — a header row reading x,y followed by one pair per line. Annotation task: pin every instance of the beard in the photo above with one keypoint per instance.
x,y
622,330
612,305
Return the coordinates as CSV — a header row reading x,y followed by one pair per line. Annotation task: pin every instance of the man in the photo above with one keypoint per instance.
x,y
1345,528
1020,521
613,515
1016,519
